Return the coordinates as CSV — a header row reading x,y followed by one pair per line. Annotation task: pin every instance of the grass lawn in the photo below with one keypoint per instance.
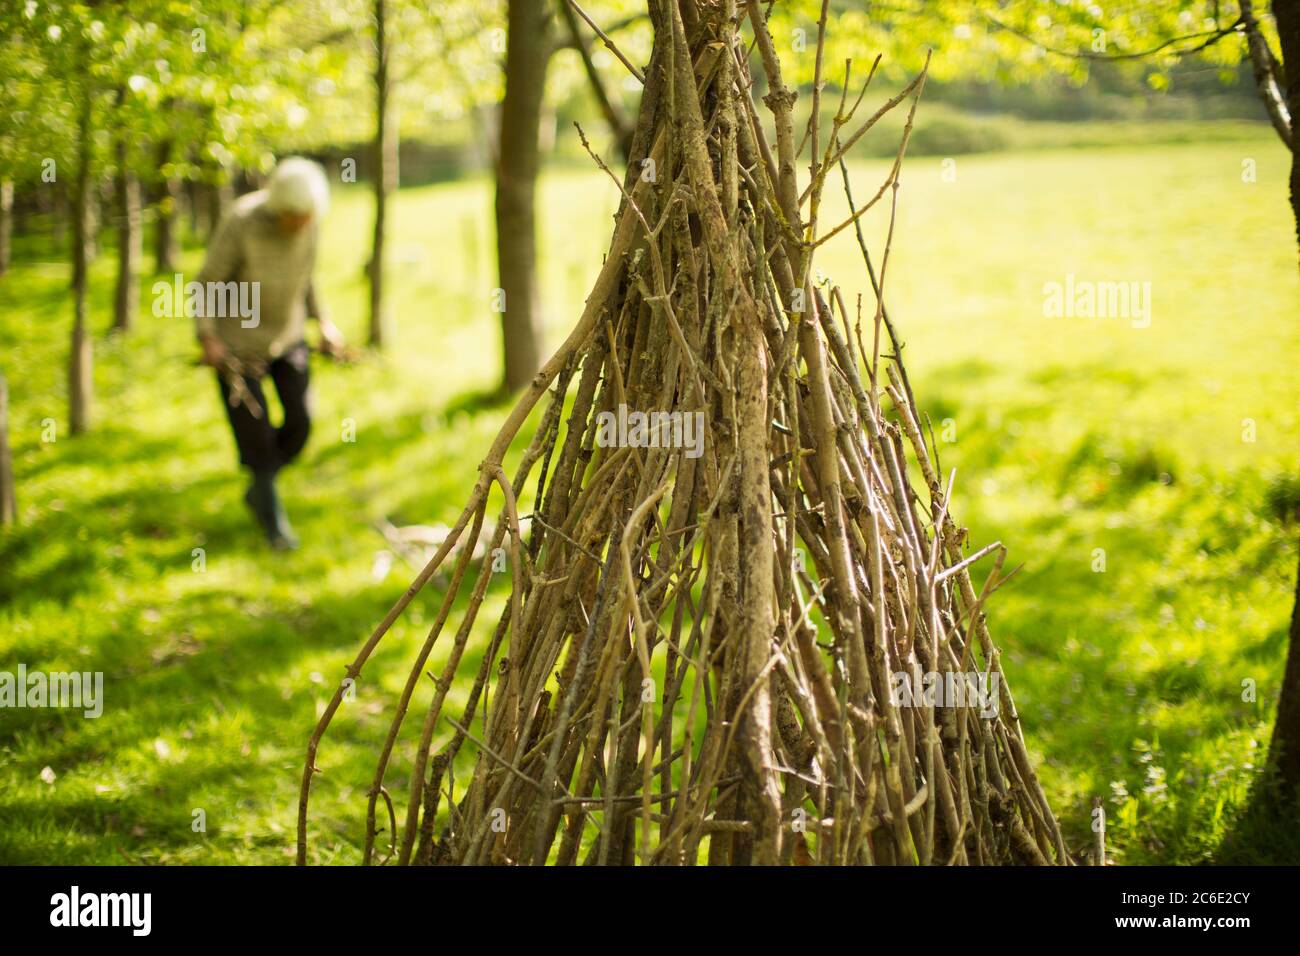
x,y
1076,441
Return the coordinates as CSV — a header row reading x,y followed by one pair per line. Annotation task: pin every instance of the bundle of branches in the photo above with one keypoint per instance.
x,y
748,645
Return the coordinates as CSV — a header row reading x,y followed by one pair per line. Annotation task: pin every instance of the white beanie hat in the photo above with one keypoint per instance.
x,y
298,186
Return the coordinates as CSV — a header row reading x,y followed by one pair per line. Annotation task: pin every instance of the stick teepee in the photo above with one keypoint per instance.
x,y
755,642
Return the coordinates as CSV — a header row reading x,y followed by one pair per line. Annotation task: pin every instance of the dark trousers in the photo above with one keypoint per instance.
x,y
264,447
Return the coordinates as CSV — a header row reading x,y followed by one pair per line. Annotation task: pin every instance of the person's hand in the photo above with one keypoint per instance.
x,y
214,352
331,338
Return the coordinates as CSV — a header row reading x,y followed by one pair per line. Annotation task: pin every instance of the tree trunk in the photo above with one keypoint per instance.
x,y
385,177
6,222
94,220
198,208
527,54
1284,749
8,504
166,236
1287,13
59,216
79,362
127,299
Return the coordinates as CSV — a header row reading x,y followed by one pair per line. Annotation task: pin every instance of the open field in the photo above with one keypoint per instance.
x,y
1069,435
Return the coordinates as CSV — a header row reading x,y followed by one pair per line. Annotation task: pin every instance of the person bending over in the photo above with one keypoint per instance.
x,y
262,256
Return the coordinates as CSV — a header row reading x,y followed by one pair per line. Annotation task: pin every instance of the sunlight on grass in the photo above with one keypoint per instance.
x,y
1071,435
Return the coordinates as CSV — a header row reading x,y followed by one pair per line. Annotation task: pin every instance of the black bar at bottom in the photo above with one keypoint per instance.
x,y
213,905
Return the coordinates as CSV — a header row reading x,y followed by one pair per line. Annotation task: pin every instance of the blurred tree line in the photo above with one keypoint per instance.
x,y
120,115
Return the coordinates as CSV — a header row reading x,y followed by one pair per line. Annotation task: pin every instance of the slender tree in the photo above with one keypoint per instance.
x,y
518,161
126,299
81,359
166,240
385,173
1284,750
8,500
6,222
530,44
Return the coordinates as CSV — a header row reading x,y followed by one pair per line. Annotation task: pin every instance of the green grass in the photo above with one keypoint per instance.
x,y
1071,435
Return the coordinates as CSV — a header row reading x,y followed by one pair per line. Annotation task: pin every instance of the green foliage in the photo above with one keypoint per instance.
x,y
1010,42
442,64
235,82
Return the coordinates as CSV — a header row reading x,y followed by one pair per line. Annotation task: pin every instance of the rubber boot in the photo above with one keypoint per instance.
x,y
264,502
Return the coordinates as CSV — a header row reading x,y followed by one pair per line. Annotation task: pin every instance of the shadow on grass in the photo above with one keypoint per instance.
x,y
1265,833
227,665
159,515
475,401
